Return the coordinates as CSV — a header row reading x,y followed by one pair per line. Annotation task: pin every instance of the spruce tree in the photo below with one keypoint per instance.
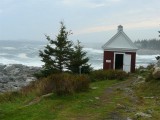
x,y
56,54
79,61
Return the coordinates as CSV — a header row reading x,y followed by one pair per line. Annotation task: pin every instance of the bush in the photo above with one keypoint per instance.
x,y
60,84
81,83
150,66
65,84
108,75
45,86
149,77
38,87
97,75
120,75
9,96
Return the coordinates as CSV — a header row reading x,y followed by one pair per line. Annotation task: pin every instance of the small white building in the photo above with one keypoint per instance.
x,y
119,52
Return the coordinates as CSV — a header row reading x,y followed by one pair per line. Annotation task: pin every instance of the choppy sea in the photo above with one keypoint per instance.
x,y
27,53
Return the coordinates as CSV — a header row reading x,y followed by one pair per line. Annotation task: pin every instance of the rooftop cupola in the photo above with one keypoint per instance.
x,y
120,28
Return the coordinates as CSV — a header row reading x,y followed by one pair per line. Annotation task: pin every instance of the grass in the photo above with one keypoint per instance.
x,y
94,104
81,105
149,92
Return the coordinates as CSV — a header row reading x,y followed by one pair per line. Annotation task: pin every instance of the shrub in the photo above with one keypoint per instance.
x,y
149,77
65,84
81,83
9,96
150,66
60,84
120,75
39,87
108,74
97,75
44,86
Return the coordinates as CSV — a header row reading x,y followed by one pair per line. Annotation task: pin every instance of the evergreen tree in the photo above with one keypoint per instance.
x,y
56,54
151,44
79,61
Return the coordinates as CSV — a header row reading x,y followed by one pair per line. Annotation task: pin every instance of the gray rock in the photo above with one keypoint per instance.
x,y
140,78
149,111
158,63
97,98
15,76
94,88
1,85
120,106
141,114
2,67
4,79
1,74
156,73
128,118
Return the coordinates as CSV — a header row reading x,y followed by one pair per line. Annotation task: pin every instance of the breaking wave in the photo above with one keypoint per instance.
x,y
93,50
28,54
8,48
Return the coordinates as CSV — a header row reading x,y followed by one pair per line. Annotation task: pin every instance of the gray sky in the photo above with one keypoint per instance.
x,y
90,20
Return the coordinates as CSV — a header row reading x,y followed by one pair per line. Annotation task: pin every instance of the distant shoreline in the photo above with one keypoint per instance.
x,y
148,52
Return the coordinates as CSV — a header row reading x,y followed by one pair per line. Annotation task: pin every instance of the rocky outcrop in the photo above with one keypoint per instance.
x,y
156,71
158,63
15,76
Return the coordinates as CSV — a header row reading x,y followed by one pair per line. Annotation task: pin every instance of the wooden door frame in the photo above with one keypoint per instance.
x,y
115,58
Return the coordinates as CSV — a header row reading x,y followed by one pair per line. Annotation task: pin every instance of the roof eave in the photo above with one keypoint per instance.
x,y
121,49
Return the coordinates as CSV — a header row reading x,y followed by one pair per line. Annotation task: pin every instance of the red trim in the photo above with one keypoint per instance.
x,y
108,55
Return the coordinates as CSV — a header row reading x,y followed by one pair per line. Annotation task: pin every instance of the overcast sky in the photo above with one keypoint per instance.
x,y
89,20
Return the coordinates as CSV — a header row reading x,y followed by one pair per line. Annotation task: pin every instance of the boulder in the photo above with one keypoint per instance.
x,y
2,67
156,73
142,115
4,79
158,63
15,76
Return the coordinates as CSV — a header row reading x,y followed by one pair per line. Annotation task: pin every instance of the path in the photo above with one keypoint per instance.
x,y
117,95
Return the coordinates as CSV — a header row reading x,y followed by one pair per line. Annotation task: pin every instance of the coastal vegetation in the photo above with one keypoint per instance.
x,y
61,55
67,88
152,44
101,98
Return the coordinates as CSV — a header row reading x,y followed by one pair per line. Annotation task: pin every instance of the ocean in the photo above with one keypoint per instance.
x,y
27,53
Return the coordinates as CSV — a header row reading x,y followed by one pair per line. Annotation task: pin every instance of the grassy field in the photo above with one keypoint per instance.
x,y
106,100
78,106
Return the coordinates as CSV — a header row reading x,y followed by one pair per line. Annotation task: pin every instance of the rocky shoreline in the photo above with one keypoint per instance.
x,y
15,76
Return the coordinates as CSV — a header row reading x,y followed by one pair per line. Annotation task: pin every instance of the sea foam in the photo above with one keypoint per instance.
x,y
27,53
8,48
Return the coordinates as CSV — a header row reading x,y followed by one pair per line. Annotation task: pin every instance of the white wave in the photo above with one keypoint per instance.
x,y
4,54
99,59
9,48
144,65
8,61
32,62
97,66
149,57
93,50
23,56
